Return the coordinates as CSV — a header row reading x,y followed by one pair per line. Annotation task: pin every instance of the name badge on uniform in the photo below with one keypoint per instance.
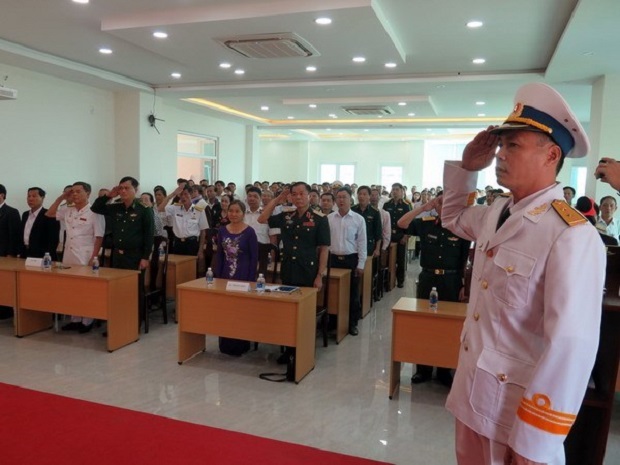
x,y
308,223
133,215
179,215
83,219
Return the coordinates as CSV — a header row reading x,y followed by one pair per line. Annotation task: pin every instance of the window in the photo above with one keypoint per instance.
x,y
330,172
391,175
197,157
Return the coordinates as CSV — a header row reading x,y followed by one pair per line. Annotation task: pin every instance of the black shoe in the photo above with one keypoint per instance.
x,y
85,328
104,334
353,331
444,377
419,378
400,285
73,326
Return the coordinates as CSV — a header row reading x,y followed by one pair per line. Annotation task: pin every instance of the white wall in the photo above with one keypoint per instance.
x,y
54,134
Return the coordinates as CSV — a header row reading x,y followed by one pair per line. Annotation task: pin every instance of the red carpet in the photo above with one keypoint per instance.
x,y
39,428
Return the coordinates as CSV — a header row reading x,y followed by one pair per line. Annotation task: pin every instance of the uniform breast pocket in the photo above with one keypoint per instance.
x,y
498,386
511,277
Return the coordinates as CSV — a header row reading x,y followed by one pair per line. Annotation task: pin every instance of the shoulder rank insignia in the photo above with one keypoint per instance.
x,y
539,210
471,199
199,208
429,218
570,215
318,213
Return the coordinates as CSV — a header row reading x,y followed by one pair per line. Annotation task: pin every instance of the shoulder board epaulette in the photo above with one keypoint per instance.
x,y
505,194
199,208
429,218
318,213
570,215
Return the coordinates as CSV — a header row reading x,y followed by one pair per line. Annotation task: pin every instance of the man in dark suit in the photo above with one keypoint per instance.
x,y
10,227
40,233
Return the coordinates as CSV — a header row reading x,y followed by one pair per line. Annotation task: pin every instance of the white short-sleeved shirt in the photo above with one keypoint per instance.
x,y
83,227
186,223
263,231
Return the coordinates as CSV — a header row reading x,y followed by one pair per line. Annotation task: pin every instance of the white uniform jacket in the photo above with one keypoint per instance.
x,y
83,227
531,332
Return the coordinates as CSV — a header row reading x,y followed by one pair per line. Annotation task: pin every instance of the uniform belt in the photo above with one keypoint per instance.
x,y
188,239
343,257
127,251
439,272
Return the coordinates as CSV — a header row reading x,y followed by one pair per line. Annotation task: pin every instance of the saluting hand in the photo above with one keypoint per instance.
x,y
608,170
283,195
114,192
479,153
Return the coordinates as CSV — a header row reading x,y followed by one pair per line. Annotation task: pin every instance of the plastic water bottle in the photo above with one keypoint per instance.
x,y
209,277
47,261
260,283
96,265
162,251
433,299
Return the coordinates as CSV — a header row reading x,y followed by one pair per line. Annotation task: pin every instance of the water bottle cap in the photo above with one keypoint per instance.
x,y
433,289
260,275
209,269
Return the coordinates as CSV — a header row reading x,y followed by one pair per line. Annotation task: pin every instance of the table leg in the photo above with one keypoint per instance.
x,y
189,345
394,378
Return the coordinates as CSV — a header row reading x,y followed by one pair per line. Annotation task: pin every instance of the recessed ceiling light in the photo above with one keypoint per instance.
x,y
225,65
380,116
440,86
290,117
390,65
474,24
239,71
402,104
481,114
366,130
105,51
588,54
176,75
323,21
333,115
328,129
264,108
312,105
359,59
160,35
83,2
428,129
310,68
480,103
478,61
410,114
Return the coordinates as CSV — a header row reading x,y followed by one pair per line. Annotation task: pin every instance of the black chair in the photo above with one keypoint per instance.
x,y
269,270
322,314
155,285
210,247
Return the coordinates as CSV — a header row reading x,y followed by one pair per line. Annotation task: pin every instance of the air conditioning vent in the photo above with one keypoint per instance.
x,y
369,110
7,94
278,45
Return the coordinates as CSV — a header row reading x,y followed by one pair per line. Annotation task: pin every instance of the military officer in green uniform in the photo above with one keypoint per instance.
x,y
372,218
305,238
132,225
443,257
303,230
397,207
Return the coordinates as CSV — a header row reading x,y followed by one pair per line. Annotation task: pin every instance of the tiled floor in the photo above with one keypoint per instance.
x,y
341,406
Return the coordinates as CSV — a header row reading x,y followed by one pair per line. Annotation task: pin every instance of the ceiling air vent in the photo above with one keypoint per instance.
x,y
369,110
277,45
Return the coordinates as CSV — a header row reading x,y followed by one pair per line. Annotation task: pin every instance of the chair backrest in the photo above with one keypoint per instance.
x,y
325,291
158,267
269,253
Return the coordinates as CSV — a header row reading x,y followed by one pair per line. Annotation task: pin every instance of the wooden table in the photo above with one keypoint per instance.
x,y
338,299
181,269
8,280
366,287
110,295
420,335
392,250
272,318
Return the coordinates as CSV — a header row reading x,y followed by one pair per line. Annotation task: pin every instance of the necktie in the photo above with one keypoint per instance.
x,y
502,218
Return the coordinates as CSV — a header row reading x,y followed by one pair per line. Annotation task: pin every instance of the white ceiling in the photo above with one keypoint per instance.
x,y
567,43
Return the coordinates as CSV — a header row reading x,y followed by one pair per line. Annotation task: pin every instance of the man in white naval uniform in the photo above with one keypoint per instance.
x,y
85,230
531,332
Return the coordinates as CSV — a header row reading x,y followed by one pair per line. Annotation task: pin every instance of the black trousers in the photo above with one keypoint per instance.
x,y
188,246
349,262
401,253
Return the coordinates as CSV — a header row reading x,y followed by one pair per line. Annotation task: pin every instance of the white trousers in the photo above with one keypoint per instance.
x,y
475,449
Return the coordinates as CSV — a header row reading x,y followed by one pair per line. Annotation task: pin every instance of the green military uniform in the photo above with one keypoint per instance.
x,y
133,231
396,211
301,235
443,257
373,226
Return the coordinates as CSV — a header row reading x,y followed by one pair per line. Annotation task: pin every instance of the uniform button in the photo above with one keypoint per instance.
x,y
465,347
502,377
510,268
476,316
296,237
485,285
490,253
294,258
294,247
